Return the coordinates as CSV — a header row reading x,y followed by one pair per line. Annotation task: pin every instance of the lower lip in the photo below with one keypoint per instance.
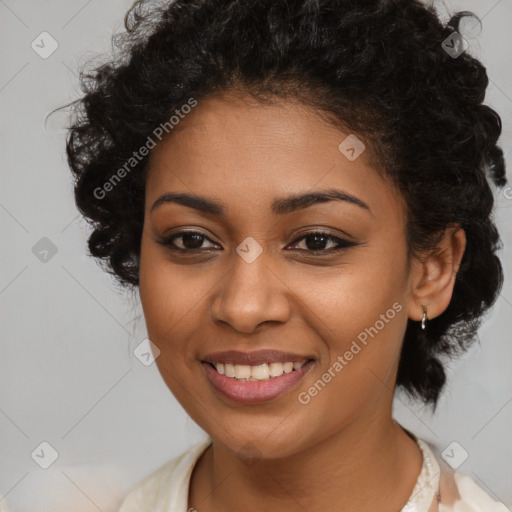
x,y
252,392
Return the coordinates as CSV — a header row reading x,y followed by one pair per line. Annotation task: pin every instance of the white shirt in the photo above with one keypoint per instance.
x,y
167,488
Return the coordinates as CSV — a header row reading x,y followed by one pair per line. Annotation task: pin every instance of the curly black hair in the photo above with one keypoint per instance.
x,y
385,69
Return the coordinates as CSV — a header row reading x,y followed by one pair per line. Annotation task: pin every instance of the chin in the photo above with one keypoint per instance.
x,y
261,440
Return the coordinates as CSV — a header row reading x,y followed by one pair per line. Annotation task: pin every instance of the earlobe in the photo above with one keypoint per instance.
x,y
432,292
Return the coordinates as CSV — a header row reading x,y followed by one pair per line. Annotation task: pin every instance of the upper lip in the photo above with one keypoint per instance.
x,y
254,358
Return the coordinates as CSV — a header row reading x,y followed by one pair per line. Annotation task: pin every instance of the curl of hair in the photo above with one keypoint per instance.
x,y
375,67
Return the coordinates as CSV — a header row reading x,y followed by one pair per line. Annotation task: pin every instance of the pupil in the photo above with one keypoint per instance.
x,y
192,240
319,242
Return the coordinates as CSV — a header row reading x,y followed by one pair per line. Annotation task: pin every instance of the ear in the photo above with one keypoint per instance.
x,y
433,278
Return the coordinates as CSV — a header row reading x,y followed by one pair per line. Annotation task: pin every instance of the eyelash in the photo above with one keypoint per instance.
x,y
342,243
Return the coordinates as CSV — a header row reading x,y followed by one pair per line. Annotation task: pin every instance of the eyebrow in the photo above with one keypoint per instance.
x,y
281,206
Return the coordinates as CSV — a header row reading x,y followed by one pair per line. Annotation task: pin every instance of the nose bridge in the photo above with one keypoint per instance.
x,y
250,293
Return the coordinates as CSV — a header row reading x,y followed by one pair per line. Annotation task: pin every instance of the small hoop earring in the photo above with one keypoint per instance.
x,y
424,317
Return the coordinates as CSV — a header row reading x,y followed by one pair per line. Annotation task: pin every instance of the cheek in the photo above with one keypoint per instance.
x,y
168,303
356,378
166,297
362,318
363,299
370,308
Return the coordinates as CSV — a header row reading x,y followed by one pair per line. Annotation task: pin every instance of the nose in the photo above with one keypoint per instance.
x,y
249,295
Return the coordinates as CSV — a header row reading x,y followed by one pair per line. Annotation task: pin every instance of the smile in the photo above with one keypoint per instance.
x,y
251,384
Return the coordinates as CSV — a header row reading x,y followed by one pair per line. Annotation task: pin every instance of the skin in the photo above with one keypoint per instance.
x,y
246,155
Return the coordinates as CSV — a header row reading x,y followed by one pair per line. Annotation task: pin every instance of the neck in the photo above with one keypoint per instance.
x,y
366,466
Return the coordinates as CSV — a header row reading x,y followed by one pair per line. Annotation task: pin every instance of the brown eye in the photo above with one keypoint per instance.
x,y
317,241
190,241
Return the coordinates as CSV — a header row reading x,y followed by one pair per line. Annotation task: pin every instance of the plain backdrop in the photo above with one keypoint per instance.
x,y
68,376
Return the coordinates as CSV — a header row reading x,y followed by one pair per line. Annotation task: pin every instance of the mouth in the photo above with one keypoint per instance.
x,y
256,383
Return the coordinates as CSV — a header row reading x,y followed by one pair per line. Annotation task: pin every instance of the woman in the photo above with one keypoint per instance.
x,y
299,192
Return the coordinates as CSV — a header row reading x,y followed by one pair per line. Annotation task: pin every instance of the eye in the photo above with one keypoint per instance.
x,y
316,242
189,241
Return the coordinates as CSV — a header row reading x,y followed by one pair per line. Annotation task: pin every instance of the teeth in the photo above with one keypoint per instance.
x,y
287,367
258,372
242,371
229,370
276,369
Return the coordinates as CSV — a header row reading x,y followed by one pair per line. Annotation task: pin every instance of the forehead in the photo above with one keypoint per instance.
x,y
230,146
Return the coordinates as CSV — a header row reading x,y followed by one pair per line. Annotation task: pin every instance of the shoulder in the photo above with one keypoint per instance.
x,y
473,498
459,492
166,488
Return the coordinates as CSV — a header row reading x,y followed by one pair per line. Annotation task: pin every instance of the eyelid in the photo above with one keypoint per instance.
x,y
322,230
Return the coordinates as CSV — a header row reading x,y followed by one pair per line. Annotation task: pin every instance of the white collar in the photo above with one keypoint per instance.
x,y
426,489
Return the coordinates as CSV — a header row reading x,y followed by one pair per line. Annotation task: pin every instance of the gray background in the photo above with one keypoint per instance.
x,y
68,375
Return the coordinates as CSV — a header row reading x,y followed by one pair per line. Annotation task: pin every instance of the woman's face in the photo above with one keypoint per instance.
x,y
250,279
